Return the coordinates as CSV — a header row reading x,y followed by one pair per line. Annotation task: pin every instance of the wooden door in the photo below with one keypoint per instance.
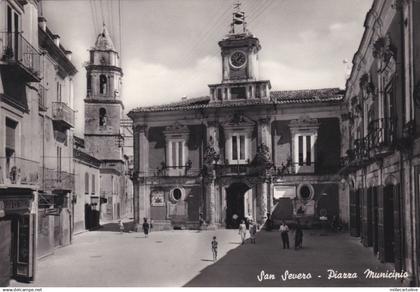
x,y
25,248
354,213
5,253
389,237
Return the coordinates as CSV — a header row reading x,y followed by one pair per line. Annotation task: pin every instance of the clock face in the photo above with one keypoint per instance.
x,y
237,59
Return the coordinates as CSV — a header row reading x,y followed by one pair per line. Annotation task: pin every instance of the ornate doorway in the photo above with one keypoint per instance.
x,y
235,204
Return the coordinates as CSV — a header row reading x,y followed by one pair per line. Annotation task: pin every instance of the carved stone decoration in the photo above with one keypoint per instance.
x,y
176,128
263,157
210,155
384,49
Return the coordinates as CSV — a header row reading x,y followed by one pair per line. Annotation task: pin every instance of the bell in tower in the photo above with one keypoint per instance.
x,y
103,70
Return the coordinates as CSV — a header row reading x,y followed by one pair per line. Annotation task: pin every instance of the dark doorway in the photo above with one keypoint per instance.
x,y
369,216
389,223
235,204
354,213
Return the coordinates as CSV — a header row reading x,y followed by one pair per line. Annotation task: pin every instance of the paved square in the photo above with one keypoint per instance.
x,y
184,258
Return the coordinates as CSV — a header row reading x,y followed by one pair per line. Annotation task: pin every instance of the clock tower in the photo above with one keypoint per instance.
x,y
103,112
240,76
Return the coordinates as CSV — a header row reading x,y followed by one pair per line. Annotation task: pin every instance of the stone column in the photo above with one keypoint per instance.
x,y
210,201
264,132
212,150
141,167
262,202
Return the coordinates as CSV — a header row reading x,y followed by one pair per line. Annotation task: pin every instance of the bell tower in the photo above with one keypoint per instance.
x,y
240,70
103,105
103,113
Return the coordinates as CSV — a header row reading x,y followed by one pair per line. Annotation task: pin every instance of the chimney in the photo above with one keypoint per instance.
x,y
42,23
56,39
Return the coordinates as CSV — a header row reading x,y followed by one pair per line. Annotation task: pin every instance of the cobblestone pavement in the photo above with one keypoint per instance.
x,y
183,258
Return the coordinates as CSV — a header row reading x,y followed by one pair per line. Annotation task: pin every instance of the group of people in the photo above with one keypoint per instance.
x,y
146,227
252,227
284,231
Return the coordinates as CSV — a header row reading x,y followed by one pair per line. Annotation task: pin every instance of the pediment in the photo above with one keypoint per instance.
x,y
239,120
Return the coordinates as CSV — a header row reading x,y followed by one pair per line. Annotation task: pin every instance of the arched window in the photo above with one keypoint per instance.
x,y
102,117
102,84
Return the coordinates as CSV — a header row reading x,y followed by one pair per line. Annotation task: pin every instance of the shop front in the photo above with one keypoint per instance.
x,y
17,229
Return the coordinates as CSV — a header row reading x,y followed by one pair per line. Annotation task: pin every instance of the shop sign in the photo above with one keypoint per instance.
x,y
284,192
158,199
10,205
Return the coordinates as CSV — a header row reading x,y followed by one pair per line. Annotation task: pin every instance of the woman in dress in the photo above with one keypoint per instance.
x,y
242,231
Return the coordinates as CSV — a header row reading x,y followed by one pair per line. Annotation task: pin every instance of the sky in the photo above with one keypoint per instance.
x,y
169,48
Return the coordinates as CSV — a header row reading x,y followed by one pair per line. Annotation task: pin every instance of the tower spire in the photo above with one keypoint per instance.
x,y
238,18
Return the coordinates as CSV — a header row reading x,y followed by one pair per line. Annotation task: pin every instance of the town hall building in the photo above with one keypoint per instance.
x,y
244,150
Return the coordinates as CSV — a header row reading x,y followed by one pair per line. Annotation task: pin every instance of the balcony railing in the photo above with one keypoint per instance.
x,y
54,180
296,168
42,98
182,170
63,115
18,171
233,169
18,52
381,133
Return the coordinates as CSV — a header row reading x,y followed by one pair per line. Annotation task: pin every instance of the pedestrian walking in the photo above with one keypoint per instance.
x,y
252,231
298,236
242,231
146,227
284,231
214,248
200,221
121,226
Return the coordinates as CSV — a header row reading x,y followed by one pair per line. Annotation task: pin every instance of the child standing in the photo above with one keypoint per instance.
x,y
121,226
214,248
146,227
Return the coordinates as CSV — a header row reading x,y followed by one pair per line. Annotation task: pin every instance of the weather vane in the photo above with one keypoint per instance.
x,y
238,18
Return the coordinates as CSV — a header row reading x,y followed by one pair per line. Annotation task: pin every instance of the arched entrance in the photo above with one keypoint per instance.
x,y
235,204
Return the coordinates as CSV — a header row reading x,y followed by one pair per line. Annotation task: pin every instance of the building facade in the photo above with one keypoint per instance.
x,y
103,135
87,204
35,140
57,119
380,126
243,151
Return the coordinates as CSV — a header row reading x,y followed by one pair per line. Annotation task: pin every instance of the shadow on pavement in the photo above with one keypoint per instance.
x,y
338,252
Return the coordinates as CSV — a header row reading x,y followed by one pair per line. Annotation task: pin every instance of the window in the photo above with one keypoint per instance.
x,y
176,194
93,184
304,133
176,157
305,150
219,93
10,136
102,117
58,91
237,148
102,84
305,192
86,183
176,153
238,92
